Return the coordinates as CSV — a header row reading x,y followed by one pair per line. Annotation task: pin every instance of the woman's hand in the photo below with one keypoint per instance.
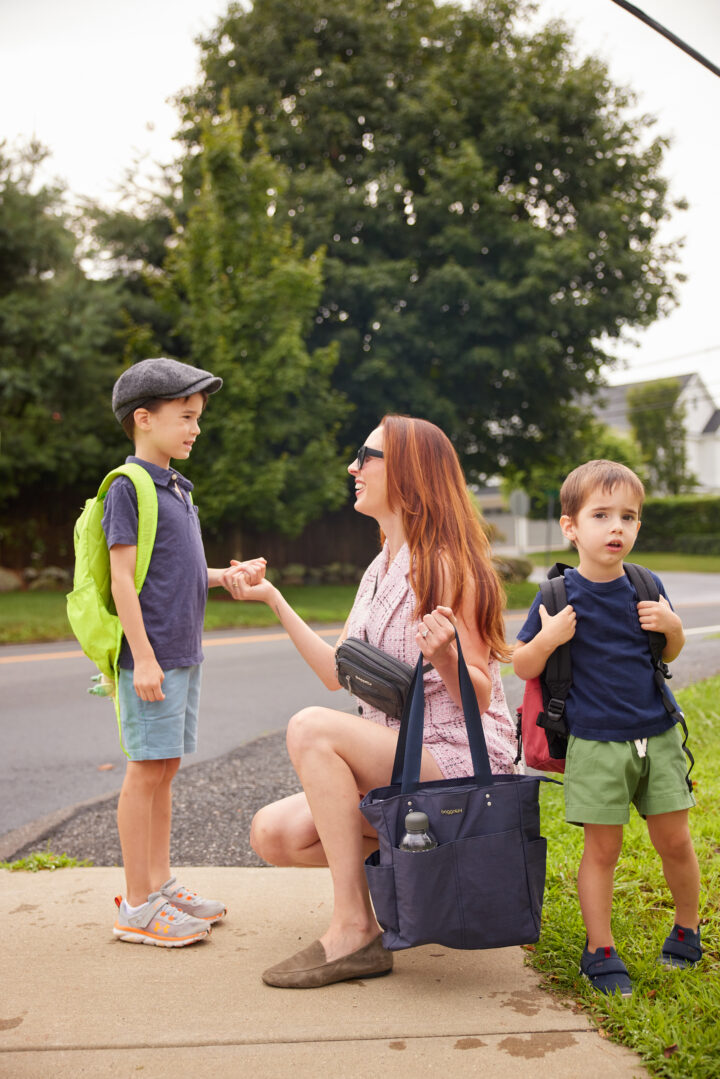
x,y
436,635
246,581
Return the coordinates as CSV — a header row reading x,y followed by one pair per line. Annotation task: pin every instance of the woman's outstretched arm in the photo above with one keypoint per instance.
x,y
317,653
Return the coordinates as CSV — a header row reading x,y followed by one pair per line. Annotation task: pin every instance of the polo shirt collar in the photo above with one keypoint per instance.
x,y
162,477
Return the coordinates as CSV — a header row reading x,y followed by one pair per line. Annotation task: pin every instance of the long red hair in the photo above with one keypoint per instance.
x,y
448,547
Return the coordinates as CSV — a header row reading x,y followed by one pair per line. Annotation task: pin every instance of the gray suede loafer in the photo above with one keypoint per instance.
x,y
309,969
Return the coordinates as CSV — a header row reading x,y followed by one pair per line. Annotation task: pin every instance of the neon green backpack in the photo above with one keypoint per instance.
x,y
90,607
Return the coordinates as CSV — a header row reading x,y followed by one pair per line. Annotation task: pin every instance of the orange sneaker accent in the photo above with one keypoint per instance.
x,y
118,900
152,935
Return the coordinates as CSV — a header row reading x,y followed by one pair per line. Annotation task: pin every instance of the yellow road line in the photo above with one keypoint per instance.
x,y
213,642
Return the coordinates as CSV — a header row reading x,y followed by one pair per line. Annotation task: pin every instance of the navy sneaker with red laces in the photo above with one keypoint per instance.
x,y
682,948
605,971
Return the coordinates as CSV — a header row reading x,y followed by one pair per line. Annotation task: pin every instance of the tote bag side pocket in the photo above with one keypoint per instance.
x,y
381,881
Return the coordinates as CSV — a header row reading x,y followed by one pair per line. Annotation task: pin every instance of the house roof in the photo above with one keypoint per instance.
x,y
611,401
713,424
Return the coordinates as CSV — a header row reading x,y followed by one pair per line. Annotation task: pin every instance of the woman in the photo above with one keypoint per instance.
x,y
433,573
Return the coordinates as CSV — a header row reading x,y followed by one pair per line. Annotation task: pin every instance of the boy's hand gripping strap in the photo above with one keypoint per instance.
x,y
645,586
558,668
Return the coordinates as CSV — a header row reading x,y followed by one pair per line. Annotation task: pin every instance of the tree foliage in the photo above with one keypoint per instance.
x,y
242,295
58,349
657,419
490,213
581,438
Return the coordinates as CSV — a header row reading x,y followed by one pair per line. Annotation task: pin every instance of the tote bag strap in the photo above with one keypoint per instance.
x,y
408,755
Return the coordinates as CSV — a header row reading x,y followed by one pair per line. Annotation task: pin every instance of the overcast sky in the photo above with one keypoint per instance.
x,y
93,79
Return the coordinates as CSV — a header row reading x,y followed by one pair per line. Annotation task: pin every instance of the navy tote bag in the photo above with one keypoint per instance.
x,y
482,886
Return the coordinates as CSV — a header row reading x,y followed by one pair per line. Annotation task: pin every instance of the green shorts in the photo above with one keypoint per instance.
x,y
603,778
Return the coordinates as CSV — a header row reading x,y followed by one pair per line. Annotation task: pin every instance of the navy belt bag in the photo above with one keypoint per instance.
x,y
482,886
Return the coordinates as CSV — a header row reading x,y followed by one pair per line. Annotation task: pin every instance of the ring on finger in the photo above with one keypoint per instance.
x,y
425,632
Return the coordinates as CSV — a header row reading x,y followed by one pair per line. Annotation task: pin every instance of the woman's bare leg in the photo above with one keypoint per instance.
x,y
284,834
336,756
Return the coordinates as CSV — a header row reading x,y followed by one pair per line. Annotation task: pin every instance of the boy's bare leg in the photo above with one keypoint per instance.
x,y
603,843
160,823
670,836
135,826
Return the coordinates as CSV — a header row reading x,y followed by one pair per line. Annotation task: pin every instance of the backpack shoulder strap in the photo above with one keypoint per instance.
x,y
644,584
557,675
646,587
147,513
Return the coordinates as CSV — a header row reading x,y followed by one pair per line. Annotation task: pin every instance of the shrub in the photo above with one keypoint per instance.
x,y
707,544
293,574
668,523
512,569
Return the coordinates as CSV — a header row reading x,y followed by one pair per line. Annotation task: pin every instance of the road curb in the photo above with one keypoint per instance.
x,y
38,829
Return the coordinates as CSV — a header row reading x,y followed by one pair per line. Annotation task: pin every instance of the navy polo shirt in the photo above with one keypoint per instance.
x,y
614,697
174,594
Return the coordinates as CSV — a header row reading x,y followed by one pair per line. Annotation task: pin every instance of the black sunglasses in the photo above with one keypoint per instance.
x,y
364,452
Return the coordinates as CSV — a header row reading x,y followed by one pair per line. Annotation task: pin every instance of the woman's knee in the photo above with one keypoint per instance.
x,y
304,729
268,837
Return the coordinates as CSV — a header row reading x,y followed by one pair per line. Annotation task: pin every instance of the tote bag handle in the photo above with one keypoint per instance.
x,y
408,755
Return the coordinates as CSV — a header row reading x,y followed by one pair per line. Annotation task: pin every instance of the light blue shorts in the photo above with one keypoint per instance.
x,y
161,730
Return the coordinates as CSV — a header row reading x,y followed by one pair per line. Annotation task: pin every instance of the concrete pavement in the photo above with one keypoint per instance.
x,y
76,1002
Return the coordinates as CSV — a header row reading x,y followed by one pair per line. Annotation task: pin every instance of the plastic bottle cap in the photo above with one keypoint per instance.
x,y
416,822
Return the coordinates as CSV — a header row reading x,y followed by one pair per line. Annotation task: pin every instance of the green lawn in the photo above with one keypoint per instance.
x,y
40,616
662,561
671,1019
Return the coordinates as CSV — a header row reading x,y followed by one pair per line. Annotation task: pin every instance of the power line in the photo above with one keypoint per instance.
x,y
680,356
669,35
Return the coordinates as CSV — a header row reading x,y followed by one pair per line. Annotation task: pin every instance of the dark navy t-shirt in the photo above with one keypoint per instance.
x,y
175,592
614,697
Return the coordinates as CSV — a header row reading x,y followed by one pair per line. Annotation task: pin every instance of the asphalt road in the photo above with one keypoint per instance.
x,y
60,745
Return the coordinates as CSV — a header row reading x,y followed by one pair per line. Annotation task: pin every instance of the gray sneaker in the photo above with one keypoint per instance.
x,y
158,922
209,910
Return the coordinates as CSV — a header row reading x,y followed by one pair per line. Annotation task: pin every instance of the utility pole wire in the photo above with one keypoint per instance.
x,y
669,35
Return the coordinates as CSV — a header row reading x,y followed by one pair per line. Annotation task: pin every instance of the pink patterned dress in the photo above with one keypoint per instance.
x,y
383,614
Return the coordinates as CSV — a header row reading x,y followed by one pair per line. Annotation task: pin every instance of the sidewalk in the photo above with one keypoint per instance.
x,y
77,1002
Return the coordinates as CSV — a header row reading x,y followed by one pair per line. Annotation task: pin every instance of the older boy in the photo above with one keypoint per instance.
x,y
623,745
158,402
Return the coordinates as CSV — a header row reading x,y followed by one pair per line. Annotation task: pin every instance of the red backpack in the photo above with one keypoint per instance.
x,y
541,727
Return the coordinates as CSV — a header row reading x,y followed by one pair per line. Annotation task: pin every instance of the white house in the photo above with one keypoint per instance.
x,y
702,425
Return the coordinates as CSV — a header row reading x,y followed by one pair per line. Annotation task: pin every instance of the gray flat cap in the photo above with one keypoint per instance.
x,y
162,378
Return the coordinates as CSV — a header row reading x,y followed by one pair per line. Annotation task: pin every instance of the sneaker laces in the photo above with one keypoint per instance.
x,y
184,893
168,909
179,891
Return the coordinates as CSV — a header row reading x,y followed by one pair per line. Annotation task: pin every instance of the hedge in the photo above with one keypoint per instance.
x,y
689,524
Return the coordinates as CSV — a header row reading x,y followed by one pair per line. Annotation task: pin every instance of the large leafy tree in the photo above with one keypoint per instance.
x,y
242,295
582,438
59,351
490,213
657,420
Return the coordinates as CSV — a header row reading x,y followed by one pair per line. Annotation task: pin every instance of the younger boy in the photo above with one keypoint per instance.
x,y
623,745
158,402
